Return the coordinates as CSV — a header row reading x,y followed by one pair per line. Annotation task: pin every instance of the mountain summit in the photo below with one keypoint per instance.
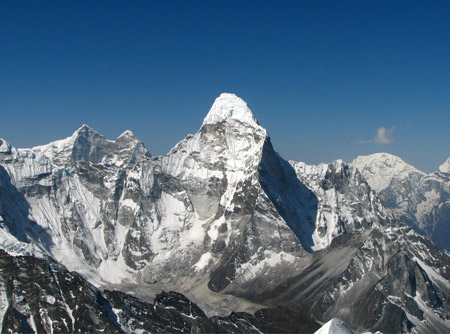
x,y
445,167
380,168
229,107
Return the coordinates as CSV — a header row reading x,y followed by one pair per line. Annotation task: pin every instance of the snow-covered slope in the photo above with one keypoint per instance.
x,y
61,186
228,107
223,219
445,167
420,200
335,326
380,169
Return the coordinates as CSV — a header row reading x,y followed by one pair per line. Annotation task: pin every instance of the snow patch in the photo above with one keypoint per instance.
x,y
270,259
205,259
130,204
432,199
50,300
115,272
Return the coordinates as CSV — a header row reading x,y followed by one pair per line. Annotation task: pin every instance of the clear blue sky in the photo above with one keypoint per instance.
x,y
322,76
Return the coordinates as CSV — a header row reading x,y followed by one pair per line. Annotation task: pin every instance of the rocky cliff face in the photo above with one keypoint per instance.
x,y
223,219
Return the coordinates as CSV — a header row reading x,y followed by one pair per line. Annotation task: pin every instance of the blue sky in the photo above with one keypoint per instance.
x,y
328,79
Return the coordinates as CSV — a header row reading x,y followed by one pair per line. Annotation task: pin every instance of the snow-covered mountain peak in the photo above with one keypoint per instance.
x,y
335,326
229,137
380,169
85,145
85,131
230,107
85,127
445,167
127,134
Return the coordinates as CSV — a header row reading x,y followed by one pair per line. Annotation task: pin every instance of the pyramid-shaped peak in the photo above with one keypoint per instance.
x,y
127,134
230,107
85,129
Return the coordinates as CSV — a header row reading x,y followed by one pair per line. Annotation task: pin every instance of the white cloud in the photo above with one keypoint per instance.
x,y
384,136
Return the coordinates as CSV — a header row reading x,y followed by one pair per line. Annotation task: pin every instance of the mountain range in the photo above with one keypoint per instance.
x,y
244,240
421,200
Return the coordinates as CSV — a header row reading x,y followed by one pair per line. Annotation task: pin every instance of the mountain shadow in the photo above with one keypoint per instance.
x,y
15,212
295,203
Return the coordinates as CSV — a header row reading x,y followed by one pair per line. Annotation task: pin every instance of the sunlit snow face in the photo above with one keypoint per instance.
x,y
230,107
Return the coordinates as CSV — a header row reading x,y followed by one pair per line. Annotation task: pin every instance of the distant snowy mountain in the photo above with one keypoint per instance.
x,y
421,200
380,169
227,222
